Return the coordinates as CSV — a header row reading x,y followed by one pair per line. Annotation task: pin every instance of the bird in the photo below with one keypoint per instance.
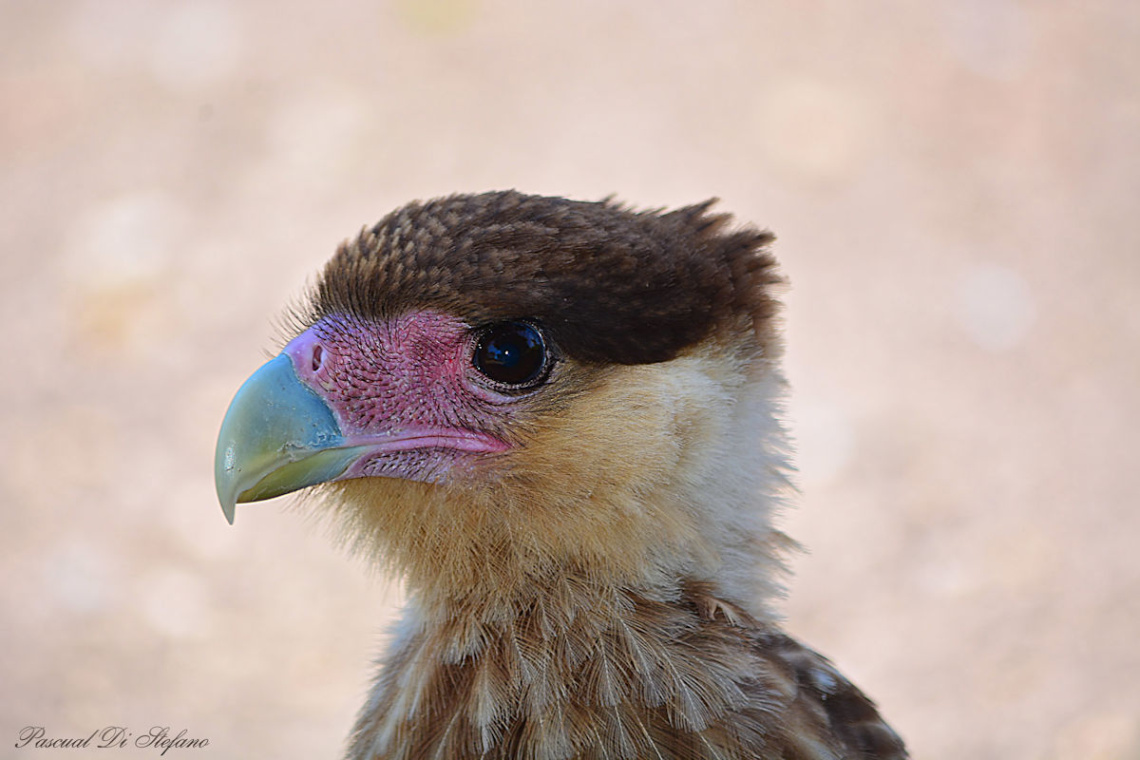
x,y
560,424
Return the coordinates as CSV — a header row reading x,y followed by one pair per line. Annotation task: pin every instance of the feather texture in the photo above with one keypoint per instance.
x,y
617,675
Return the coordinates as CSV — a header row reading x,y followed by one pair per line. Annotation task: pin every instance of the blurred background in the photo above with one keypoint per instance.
x,y
955,187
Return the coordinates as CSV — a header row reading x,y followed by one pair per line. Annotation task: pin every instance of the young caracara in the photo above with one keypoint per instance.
x,y
558,422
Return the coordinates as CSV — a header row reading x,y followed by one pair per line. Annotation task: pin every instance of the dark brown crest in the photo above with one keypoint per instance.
x,y
609,284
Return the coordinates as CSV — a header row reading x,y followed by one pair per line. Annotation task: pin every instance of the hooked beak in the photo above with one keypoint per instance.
x,y
278,436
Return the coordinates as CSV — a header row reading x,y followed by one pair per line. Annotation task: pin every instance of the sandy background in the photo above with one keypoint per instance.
x,y
955,186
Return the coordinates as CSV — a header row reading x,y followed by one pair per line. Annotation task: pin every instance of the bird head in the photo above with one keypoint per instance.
x,y
489,390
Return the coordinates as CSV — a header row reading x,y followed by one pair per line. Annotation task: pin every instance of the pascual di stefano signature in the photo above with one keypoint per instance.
x,y
111,737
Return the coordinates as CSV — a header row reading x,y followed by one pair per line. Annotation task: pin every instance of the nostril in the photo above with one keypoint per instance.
x,y
318,357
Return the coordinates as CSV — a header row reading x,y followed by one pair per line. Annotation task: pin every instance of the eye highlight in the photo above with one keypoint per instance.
x,y
512,354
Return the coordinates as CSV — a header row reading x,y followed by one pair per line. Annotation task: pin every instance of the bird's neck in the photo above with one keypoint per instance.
x,y
467,681
561,600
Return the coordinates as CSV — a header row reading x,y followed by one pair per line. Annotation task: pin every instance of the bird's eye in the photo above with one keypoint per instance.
x,y
512,354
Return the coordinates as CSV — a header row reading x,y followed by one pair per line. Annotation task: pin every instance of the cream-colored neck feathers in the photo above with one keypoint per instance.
x,y
651,476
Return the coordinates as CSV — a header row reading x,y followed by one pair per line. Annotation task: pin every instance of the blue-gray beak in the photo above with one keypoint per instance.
x,y
278,436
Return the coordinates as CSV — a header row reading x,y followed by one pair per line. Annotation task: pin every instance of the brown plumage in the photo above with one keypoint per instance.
x,y
558,422
609,285
632,677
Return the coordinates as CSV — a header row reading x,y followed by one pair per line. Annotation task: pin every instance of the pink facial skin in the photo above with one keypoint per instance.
x,y
406,389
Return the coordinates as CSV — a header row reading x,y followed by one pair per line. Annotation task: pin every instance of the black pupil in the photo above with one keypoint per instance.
x,y
511,353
